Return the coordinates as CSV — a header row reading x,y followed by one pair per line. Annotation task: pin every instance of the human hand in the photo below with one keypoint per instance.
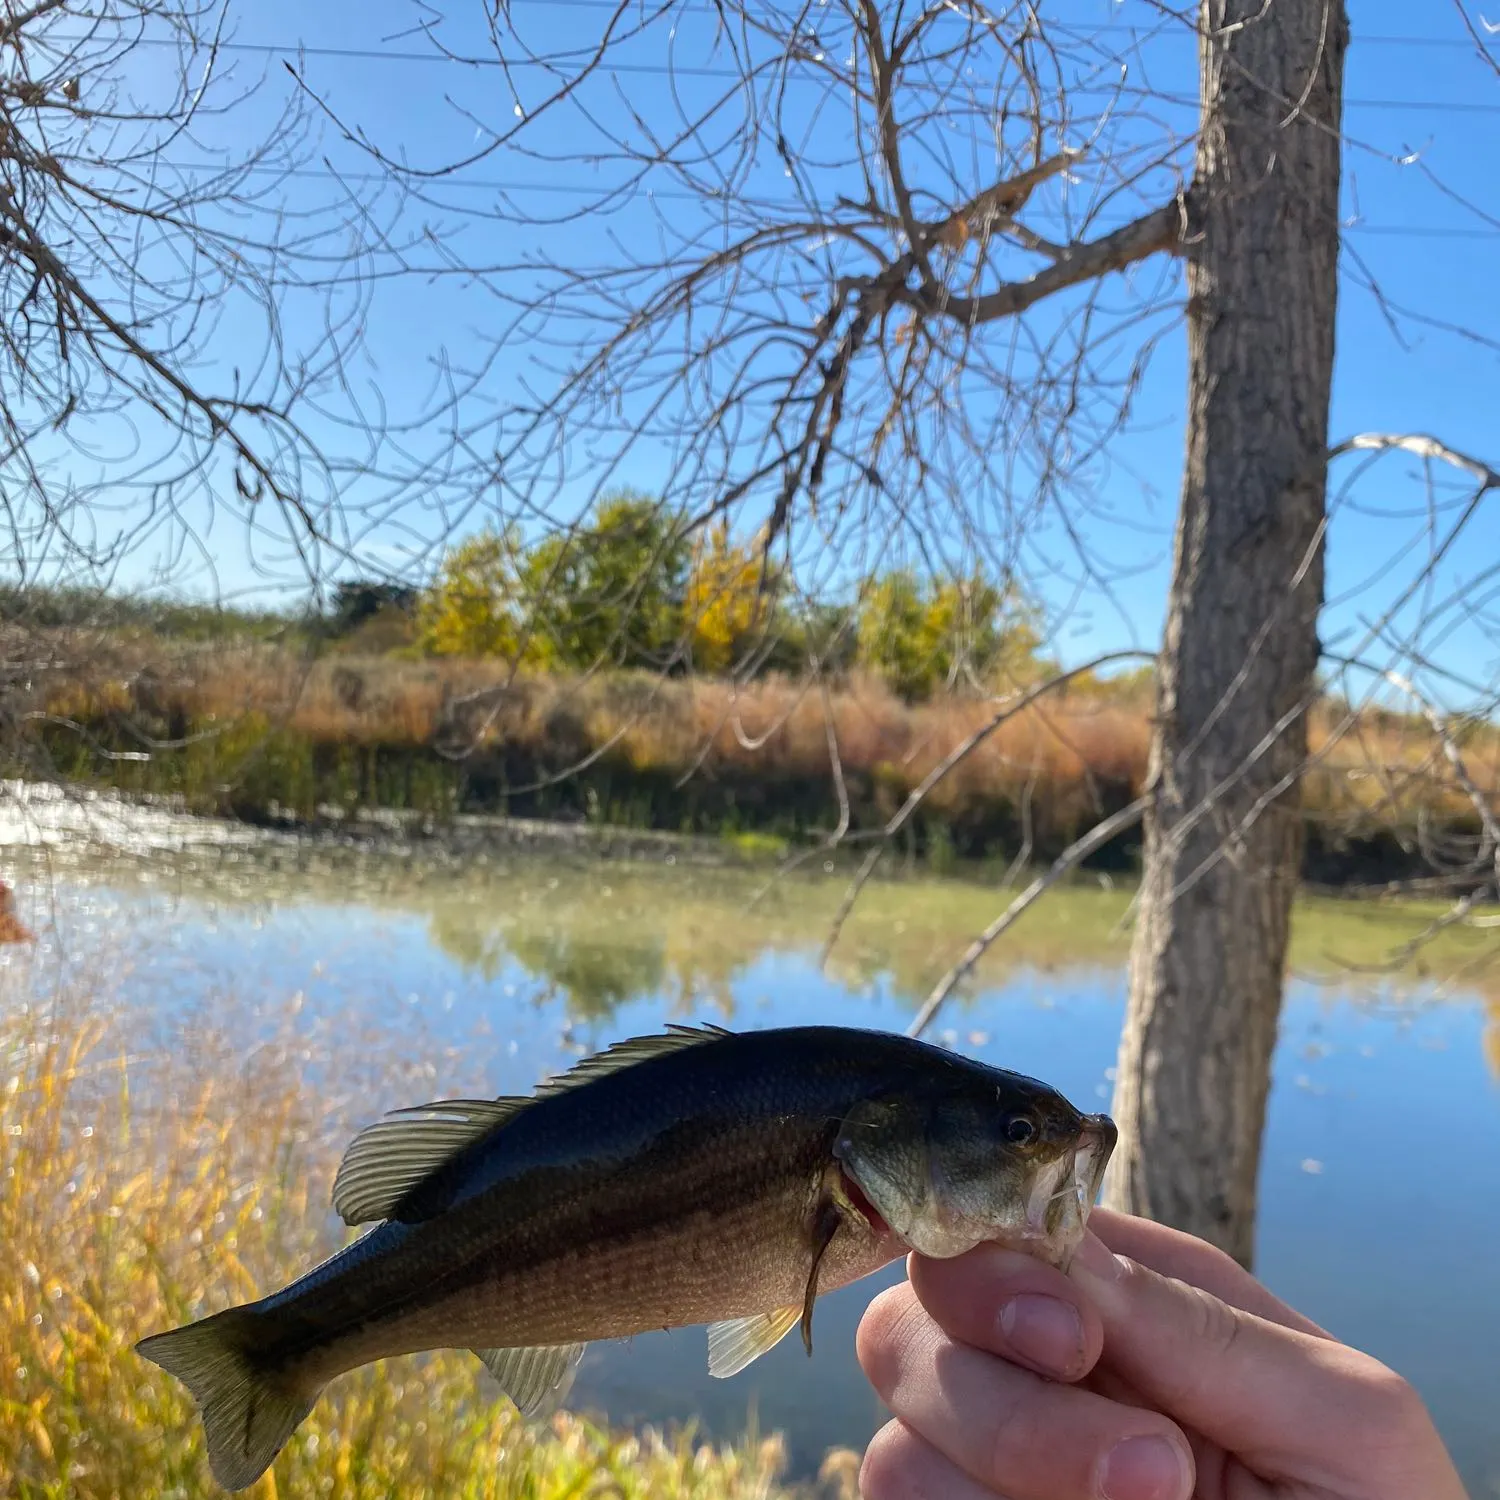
x,y
1172,1375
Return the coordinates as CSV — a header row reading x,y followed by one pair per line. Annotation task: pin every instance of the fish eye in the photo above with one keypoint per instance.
x,y
1019,1130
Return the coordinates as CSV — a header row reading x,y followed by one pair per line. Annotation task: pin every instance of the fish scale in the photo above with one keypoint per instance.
x,y
698,1177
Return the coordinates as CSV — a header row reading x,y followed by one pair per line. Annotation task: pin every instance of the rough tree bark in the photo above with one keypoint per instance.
x,y
1241,645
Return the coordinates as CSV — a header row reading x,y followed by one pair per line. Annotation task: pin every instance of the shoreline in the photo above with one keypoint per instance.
x,y
59,817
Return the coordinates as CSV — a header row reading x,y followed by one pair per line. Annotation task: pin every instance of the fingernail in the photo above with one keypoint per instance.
x,y
1045,1331
1145,1468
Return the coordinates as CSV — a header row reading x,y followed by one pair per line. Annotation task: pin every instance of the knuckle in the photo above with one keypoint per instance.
x,y
1011,1436
1215,1324
886,1473
1390,1404
1018,1431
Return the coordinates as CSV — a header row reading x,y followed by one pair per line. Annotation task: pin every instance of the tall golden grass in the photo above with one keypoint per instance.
x,y
1380,769
138,1193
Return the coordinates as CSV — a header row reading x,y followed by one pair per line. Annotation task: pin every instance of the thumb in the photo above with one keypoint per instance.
x,y
1289,1403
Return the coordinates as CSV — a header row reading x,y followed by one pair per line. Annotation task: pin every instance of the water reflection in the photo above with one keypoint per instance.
x,y
596,940
416,984
593,977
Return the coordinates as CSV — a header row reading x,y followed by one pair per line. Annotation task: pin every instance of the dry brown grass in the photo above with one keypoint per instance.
x,y
1386,771
137,1192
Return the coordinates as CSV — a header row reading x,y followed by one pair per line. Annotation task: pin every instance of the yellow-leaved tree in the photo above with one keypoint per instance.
x,y
920,635
471,610
724,603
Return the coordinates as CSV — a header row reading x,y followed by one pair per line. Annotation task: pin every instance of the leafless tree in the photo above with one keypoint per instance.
x,y
876,282
129,237
178,330
881,280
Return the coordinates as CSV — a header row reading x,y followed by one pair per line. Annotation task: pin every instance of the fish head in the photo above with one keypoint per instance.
x,y
990,1156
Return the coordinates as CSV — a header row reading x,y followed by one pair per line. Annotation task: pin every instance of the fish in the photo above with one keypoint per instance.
x,y
697,1176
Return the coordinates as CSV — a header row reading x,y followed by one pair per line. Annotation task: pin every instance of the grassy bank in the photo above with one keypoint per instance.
x,y
121,1215
259,732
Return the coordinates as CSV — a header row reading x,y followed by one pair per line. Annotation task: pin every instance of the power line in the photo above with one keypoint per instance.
x,y
1357,38
685,195
1418,232
688,70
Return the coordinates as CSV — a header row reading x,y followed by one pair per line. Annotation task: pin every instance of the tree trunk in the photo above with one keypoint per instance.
x,y
1223,832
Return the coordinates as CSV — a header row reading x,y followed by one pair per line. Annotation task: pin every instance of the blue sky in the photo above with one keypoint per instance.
x,y
1423,122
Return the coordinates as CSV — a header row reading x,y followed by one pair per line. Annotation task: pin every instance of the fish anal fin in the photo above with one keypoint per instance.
x,y
626,1054
386,1160
536,1379
737,1342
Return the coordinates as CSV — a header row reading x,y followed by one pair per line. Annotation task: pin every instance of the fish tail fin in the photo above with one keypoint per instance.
x,y
250,1406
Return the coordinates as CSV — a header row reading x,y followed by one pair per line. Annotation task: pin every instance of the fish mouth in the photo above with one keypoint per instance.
x,y
1096,1144
1064,1194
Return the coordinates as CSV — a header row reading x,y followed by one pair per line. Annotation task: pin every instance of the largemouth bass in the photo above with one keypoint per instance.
x,y
699,1176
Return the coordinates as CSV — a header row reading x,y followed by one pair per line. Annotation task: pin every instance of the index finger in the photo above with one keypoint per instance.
x,y
1186,1258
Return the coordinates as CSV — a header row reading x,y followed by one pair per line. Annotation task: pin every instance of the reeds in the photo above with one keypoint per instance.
x,y
138,1193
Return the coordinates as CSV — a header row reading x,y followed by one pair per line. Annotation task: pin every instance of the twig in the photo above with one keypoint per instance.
x,y
960,751
1423,446
1458,912
836,765
1074,854
1479,43
1013,707
1487,818
866,869
1023,854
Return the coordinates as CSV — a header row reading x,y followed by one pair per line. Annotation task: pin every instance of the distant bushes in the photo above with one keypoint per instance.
x,y
628,589
39,607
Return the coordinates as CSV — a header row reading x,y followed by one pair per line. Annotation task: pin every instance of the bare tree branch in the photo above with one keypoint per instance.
x,y
1481,45
1071,857
1488,820
1164,229
1013,705
1423,446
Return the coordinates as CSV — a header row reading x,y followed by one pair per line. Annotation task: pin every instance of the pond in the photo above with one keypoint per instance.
x,y
1380,1209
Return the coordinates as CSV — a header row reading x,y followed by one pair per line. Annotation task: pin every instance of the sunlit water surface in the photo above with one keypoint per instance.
x,y
1380,1205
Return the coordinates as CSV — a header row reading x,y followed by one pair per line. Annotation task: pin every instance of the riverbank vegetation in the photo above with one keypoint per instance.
x,y
139,1188
263,731
627,674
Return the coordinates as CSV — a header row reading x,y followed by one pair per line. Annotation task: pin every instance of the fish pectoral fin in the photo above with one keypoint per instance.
x,y
827,1219
386,1160
737,1342
536,1379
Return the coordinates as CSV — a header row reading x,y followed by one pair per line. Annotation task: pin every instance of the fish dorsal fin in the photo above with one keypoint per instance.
x,y
387,1159
737,1342
637,1049
537,1379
